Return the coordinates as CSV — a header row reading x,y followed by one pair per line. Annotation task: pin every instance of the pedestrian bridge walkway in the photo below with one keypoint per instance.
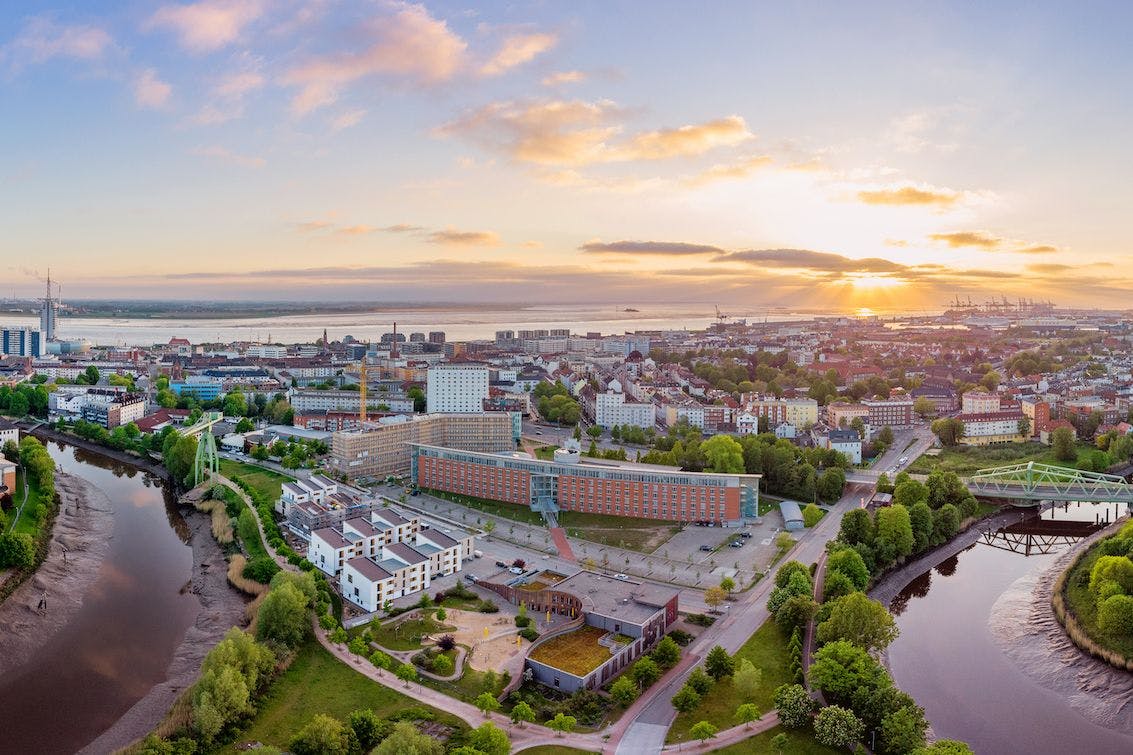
x,y
1034,482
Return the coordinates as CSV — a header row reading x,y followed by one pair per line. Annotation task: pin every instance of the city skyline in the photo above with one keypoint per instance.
x,y
810,156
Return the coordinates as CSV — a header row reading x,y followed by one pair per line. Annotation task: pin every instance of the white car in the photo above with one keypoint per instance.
x,y
622,577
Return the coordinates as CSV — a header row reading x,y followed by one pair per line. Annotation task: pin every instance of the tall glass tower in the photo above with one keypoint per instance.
x,y
48,311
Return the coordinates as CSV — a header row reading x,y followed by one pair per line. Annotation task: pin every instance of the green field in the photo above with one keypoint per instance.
x,y
967,460
27,522
644,535
798,743
250,534
317,682
767,651
551,750
402,635
262,480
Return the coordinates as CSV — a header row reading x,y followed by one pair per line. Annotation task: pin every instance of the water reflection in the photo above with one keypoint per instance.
x,y
120,642
950,660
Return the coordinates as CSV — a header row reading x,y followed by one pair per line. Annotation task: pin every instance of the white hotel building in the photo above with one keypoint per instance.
x,y
457,388
612,409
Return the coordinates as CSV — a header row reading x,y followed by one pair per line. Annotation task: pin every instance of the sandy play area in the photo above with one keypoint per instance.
x,y
491,654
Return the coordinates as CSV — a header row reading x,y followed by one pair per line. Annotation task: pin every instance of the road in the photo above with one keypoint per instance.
x,y
644,732
922,440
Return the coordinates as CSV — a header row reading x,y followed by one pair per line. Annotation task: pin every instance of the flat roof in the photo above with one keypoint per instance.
x,y
630,601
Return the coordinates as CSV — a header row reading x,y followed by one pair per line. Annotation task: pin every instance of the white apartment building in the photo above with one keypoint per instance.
x,y
303,400
457,388
991,427
386,557
266,351
978,402
314,489
612,409
800,412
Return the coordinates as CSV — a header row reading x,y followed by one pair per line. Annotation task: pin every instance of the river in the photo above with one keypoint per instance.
x,y
119,643
962,624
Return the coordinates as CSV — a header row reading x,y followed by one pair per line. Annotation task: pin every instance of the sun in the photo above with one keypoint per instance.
x,y
869,282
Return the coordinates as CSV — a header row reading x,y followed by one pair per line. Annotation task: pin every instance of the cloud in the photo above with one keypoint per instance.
x,y
564,77
910,195
532,244
356,230
402,228
229,93
730,171
666,248
150,92
238,84
576,132
453,237
409,45
897,243
42,40
207,25
314,225
1048,267
225,155
1038,249
805,259
517,50
348,119
977,239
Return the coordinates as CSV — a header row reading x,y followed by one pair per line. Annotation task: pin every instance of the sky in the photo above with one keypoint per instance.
x,y
885,156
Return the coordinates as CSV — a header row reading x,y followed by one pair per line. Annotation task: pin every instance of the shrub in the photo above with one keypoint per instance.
x,y
1115,615
487,606
522,621
327,622
261,569
700,620
442,665
681,637
446,642
324,736
529,634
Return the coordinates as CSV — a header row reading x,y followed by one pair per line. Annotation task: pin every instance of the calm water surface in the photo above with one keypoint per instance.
x,y
948,659
119,643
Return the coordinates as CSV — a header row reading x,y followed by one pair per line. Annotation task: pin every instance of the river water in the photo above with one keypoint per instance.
x,y
958,652
120,642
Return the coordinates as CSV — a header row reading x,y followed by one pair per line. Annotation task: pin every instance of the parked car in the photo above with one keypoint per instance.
x,y
707,548
501,564
736,544
622,577
515,570
745,534
470,577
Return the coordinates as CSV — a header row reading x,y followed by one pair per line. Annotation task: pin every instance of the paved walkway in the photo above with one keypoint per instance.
x,y
809,638
559,538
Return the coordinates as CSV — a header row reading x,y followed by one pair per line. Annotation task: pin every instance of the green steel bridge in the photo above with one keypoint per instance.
x,y
1031,483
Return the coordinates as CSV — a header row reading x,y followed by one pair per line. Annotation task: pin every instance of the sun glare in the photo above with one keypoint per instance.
x,y
875,281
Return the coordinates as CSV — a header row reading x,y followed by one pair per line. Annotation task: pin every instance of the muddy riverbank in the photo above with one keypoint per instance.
x,y
79,542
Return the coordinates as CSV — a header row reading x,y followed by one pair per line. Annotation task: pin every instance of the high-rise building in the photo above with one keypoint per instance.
x,y
48,312
457,387
416,338
436,336
21,342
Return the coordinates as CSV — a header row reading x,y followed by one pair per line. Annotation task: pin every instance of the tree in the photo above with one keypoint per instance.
x,y
703,731
811,515
903,730
924,407
489,739
522,714
367,728
686,699
727,584
861,621
746,714
699,681
406,673
179,456
946,747
406,740
245,425
623,692
1062,442
487,703
594,431
857,527
783,576
841,670
713,597
283,616
849,562
895,530
920,517
11,451
990,380
795,612
945,524
562,723
910,492
795,706
667,652
323,735
719,664
1025,426
17,550
723,454
837,727
885,436
645,672
830,484
442,666
747,679
949,430
779,742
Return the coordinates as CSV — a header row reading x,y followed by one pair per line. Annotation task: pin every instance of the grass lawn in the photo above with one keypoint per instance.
x,y
967,460
767,650
799,742
249,535
551,750
470,684
27,523
576,652
644,535
404,635
1084,606
264,481
546,453
316,682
